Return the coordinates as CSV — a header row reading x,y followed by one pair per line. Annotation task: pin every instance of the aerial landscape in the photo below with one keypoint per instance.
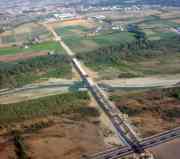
x,y
89,79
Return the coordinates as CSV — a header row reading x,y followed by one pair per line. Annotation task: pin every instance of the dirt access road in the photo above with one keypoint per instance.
x,y
33,91
21,56
154,81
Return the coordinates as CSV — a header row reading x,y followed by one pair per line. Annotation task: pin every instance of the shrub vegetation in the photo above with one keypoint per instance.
x,y
68,103
18,73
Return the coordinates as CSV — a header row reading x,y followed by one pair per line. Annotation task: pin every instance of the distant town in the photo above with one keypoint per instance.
x,y
21,12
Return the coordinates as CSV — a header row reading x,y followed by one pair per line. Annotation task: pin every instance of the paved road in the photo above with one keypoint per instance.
x,y
153,141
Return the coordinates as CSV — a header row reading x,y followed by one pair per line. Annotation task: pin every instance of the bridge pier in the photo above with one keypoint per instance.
x,y
145,155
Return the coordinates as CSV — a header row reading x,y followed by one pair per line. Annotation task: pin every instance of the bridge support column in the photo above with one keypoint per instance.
x,y
145,155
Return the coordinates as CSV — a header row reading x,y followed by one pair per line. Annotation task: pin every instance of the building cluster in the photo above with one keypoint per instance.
x,y
21,13
112,8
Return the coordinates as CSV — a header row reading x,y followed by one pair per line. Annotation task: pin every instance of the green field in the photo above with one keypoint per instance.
x,y
76,38
155,35
156,28
45,46
156,21
161,23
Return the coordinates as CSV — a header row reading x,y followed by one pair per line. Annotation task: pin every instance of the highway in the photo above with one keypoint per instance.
x,y
121,125
115,153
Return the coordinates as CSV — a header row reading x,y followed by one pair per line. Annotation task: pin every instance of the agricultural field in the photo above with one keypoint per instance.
x,y
152,111
37,62
49,46
105,51
23,34
83,39
156,28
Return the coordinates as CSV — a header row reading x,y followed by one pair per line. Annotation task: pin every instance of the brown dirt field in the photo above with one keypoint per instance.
x,y
65,140
59,138
148,110
7,151
81,22
5,45
25,28
177,21
168,150
6,33
62,139
150,124
21,56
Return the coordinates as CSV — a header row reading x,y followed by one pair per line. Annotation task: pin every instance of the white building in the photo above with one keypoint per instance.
x,y
64,16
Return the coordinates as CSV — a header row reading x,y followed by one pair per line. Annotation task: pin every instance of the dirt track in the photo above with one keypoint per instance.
x,y
33,91
154,81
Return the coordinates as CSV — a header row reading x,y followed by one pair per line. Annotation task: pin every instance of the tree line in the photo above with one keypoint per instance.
x,y
13,74
112,55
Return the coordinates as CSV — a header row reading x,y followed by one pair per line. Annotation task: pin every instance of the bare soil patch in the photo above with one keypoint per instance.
x,y
7,151
81,22
21,56
151,111
67,140
177,21
55,137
